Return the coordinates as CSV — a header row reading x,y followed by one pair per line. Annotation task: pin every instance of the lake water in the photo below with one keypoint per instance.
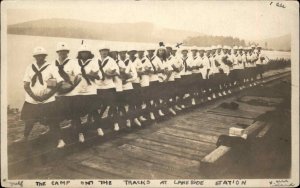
x,y
19,56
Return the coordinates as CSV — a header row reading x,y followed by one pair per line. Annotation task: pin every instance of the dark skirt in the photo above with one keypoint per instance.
x,y
247,72
154,90
106,96
40,112
198,81
84,104
216,80
259,69
237,75
64,106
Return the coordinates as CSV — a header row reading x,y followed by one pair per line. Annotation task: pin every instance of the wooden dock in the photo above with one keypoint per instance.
x,y
170,149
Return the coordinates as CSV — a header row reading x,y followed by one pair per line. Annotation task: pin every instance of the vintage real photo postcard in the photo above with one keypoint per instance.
x,y
149,93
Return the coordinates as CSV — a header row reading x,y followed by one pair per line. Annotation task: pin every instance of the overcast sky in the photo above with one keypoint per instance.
x,y
247,20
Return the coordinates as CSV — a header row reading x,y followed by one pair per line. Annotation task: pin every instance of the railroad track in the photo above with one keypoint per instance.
x,y
176,138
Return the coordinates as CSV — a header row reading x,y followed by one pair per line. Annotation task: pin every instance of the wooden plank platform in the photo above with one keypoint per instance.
x,y
169,149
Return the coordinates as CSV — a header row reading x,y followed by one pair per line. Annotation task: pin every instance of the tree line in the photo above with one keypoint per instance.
x,y
208,40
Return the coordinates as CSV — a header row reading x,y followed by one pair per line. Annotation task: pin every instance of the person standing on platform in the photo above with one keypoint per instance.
x,y
41,82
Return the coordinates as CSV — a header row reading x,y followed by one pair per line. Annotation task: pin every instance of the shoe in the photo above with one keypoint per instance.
x,y
193,102
66,126
254,84
182,107
81,138
229,91
172,111
208,98
116,127
160,113
23,139
177,107
137,122
45,132
214,96
61,143
142,118
128,123
152,117
251,85
100,132
224,93
220,95
241,88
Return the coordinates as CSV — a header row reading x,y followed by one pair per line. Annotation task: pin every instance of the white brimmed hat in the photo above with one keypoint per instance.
x,y
131,50
103,47
169,46
235,48
39,51
195,48
141,49
161,47
227,47
201,49
84,48
62,46
219,47
184,48
208,49
213,47
241,48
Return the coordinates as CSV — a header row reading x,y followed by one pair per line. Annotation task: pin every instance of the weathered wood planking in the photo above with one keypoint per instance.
x,y
169,149
270,101
189,135
143,163
244,110
180,142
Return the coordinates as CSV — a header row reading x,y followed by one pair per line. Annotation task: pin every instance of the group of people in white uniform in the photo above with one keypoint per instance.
x,y
130,86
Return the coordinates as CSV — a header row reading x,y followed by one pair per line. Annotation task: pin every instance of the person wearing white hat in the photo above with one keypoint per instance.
x,y
127,74
241,59
247,67
118,110
170,85
242,52
154,83
210,53
41,83
85,92
174,79
261,60
69,70
162,71
145,83
135,98
251,58
196,75
106,88
204,70
227,66
236,72
186,75
219,70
